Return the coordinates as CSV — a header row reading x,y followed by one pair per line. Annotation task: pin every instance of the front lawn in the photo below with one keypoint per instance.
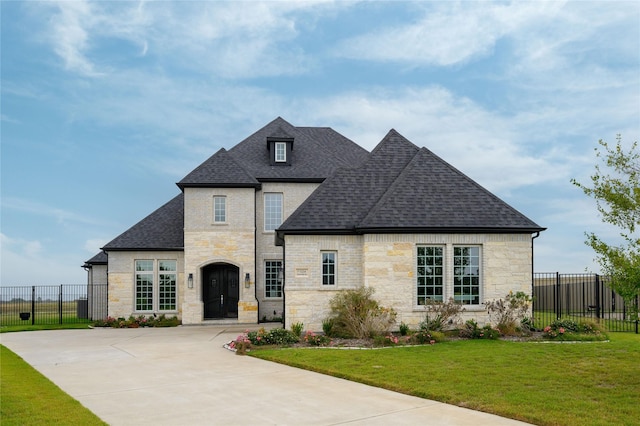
x,y
541,383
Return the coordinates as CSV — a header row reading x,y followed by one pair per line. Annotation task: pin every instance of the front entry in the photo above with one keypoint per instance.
x,y
220,291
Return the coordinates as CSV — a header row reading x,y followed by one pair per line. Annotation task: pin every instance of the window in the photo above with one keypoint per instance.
x,y
281,152
150,297
167,282
144,285
272,210
430,274
328,268
466,275
273,278
219,209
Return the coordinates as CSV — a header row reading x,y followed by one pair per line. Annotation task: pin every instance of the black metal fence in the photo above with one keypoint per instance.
x,y
58,304
558,296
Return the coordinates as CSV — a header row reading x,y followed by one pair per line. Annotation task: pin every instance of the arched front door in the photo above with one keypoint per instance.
x,y
220,291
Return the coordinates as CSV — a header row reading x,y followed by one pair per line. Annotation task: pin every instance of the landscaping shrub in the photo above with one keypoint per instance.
x,y
275,336
471,330
507,314
441,315
296,328
316,339
404,329
423,336
566,329
139,321
327,326
355,314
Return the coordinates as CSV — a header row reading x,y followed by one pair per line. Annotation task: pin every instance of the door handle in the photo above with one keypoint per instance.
x,y
222,299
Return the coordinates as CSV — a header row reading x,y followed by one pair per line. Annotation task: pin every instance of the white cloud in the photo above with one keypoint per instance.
x,y
40,209
478,142
447,33
29,262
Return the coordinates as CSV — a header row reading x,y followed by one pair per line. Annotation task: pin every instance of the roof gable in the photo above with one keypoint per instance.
x,y
343,200
402,188
220,170
161,230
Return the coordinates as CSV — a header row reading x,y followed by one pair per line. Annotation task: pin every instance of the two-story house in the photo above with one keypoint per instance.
x,y
274,226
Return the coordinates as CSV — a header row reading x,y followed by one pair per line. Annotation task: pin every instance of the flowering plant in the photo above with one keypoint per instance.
x,y
241,344
316,339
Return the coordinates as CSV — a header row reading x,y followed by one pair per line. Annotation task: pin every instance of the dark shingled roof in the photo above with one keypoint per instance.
x,y
317,153
98,259
403,188
161,230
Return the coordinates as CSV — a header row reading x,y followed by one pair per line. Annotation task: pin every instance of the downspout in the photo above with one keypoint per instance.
x,y
532,270
284,280
255,252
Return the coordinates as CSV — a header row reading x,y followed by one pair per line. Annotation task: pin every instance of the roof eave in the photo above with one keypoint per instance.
x,y
182,186
110,249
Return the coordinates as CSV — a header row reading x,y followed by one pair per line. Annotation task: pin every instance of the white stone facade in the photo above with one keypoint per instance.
x,y
122,282
388,263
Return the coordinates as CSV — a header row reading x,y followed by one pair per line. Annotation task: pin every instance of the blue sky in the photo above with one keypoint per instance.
x,y
105,105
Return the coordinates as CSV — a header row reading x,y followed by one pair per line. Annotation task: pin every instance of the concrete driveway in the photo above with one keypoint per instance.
x,y
183,376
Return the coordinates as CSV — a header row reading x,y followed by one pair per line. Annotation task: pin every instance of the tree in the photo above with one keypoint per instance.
x,y
616,190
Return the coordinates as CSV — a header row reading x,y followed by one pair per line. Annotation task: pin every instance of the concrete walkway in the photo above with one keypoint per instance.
x,y
183,376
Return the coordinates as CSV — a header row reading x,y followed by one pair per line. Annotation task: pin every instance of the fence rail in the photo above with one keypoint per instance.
x,y
557,296
58,304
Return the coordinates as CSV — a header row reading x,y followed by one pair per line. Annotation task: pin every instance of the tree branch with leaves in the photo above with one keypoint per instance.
x,y
615,186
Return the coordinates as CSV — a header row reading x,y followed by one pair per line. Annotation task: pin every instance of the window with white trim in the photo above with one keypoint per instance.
x,y
167,279
273,278
281,152
144,285
329,267
219,209
466,275
156,285
430,274
272,210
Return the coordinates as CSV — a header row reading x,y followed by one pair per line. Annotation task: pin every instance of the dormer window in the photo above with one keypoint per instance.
x,y
280,147
281,152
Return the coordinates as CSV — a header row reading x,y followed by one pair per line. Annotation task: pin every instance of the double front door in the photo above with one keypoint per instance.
x,y
220,291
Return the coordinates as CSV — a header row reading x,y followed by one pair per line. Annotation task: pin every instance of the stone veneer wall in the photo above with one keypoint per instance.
x,y
387,262
121,276
207,242
294,194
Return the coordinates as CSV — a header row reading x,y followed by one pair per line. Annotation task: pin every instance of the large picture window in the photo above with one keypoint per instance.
x,y
156,285
329,267
273,278
466,275
272,210
430,274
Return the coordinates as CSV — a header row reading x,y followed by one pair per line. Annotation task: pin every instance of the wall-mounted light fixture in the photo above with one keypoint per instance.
x,y
190,281
247,280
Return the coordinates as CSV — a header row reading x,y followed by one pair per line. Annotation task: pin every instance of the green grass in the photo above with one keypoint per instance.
x,y
36,327
29,398
540,383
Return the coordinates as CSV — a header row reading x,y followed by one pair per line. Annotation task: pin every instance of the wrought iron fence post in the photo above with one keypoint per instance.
x,y
558,302
598,296
60,305
33,305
